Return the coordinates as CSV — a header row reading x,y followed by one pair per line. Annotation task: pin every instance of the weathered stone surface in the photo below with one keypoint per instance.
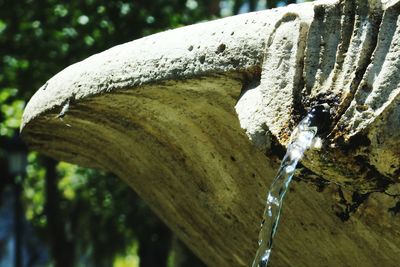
x,y
160,113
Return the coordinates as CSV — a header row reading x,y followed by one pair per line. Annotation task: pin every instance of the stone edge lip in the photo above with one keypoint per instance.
x,y
232,44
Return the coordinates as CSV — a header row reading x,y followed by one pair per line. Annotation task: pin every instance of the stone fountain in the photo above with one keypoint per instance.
x,y
196,119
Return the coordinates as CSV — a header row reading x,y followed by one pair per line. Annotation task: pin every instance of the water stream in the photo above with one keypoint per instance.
x,y
301,139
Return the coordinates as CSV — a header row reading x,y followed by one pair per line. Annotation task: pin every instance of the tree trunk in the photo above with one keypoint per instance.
x,y
213,7
19,228
62,249
252,5
154,249
236,6
182,256
271,4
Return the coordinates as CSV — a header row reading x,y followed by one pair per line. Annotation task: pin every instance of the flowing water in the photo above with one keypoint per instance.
x,y
300,140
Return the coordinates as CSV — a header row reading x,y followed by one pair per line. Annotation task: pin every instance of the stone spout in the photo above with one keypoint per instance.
x,y
196,119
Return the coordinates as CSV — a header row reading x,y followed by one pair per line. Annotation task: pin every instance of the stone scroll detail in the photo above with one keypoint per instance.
x,y
347,55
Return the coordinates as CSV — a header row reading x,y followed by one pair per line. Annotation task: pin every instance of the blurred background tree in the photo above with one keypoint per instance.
x,y
57,214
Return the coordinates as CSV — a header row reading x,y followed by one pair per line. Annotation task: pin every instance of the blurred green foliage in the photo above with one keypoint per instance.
x,y
98,211
91,216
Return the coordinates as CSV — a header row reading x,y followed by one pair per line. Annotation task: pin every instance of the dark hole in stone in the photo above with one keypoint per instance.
x,y
221,48
276,148
357,200
343,216
320,117
366,88
395,209
359,140
202,59
372,175
226,215
235,62
233,158
297,179
321,184
44,86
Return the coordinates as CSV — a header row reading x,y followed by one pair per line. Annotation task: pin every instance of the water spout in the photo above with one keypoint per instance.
x,y
301,139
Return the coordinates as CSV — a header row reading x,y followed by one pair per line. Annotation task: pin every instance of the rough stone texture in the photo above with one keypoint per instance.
x,y
160,113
